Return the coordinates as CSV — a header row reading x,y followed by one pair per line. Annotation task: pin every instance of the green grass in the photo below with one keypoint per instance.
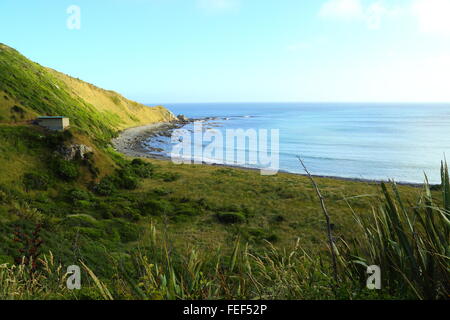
x,y
409,241
39,91
27,89
151,229
278,221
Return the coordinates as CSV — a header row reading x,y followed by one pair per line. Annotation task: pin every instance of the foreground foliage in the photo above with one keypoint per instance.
x,y
409,242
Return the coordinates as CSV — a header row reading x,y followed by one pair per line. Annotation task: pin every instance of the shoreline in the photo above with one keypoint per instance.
x,y
129,142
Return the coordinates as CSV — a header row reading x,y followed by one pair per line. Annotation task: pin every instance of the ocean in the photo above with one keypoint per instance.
x,y
401,142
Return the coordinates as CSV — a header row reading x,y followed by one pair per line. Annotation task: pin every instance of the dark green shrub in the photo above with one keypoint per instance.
x,y
188,212
105,214
18,110
278,218
105,187
76,194
183,212
82,205
81,220
117,208
66,170
132,215
127,231
169,176
162,192
138,162
143,171
257,234
126,181
155,207
231,217
35,181
203,203
91,233
54,140
271,238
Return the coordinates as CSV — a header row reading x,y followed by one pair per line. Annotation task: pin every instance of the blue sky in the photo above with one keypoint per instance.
x,y
160,51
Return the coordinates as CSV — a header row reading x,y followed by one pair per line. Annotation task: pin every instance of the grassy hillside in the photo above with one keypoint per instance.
x,y
149,229
28,90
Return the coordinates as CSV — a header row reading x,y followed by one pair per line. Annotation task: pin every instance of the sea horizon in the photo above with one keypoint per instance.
x,y
344,140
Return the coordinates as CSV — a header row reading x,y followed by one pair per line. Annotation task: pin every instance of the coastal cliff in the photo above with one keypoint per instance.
x,y
28,90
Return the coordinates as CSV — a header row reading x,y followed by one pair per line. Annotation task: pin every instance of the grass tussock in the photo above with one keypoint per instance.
x,y
409,241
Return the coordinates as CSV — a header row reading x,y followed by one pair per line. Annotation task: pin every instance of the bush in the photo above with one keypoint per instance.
x,y
127,231
138,162
55,140
76,194
155,207
118,208
81,220
187,211
258,235
106,187
82,204
66,170
169,176
144,170
137,168
18,110
161,192
34,181
278,218
127,181
231,217
92,233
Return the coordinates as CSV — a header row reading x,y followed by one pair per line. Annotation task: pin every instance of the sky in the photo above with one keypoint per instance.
x,y
167,51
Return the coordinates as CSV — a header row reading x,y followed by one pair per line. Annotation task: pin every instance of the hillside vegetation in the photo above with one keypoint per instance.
x,y
28,90
149,229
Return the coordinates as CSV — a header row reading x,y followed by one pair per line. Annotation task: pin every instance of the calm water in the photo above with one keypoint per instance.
x,y
369,141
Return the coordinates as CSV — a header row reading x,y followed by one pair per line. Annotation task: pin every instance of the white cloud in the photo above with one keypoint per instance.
x,y
217,5
433,16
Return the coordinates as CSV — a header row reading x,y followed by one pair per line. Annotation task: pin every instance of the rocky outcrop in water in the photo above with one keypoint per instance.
x,y
182,118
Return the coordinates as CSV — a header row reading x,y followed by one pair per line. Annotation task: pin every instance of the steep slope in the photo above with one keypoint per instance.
x,y
43,189
28,89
